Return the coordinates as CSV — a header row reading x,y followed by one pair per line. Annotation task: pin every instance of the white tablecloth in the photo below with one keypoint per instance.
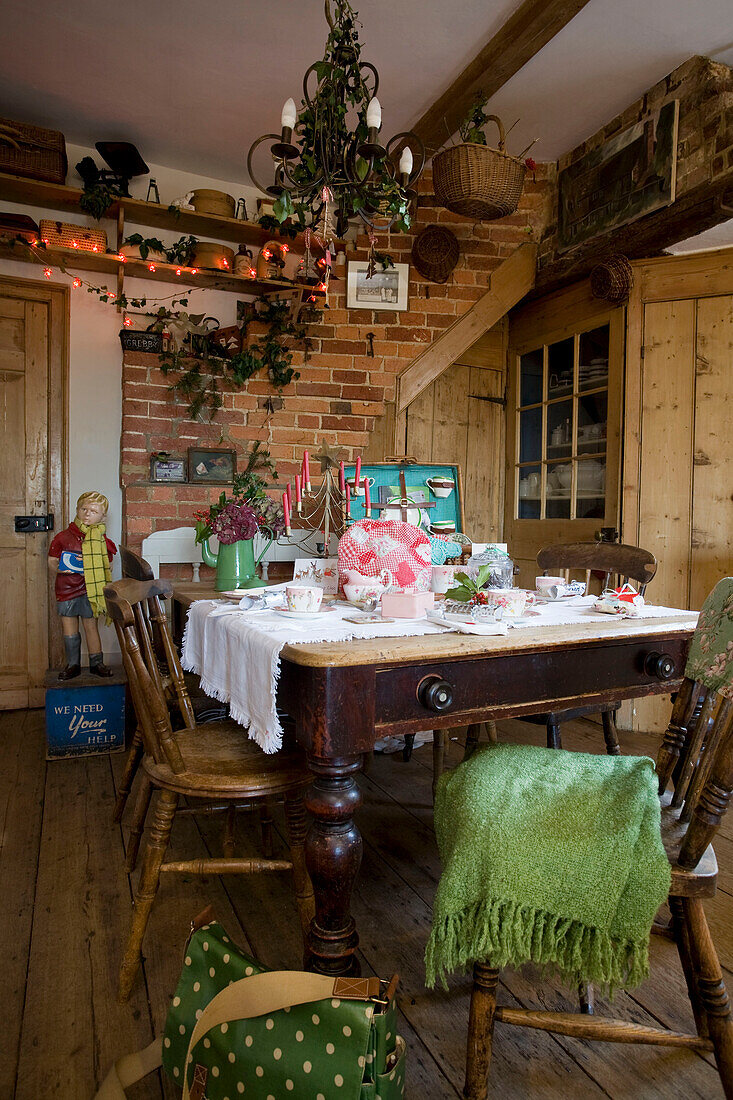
x,y
237,653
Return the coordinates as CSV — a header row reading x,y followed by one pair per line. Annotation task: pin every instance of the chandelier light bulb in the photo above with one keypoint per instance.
x,y
374,114
289,114
406,161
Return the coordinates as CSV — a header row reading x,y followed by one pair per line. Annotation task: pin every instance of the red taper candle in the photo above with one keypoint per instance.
x,y
367,498
286,510
357,473
342,477
298,493
306,471
348,499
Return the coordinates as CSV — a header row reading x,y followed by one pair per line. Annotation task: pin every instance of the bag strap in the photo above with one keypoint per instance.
x,y
269,992
128,1069
243,999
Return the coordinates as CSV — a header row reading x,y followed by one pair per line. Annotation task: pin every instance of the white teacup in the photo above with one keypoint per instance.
x,y
360,593
512,601
358,490
440,486
442,578
302,597
544,584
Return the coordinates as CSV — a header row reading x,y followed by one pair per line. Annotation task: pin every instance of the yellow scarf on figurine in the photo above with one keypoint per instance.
x,y
97,572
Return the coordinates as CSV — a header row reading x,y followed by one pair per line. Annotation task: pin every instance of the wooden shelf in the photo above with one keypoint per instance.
x,y
109,264
57,196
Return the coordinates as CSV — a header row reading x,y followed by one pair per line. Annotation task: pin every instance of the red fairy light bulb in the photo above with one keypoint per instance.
x,y
179,271
76,283
94,248
127,322
266,254
252,273
47,272
151,267
74,244
45,240
285,248
122,257
35,243
225,263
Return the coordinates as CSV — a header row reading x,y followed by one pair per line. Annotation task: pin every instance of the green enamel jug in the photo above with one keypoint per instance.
x,y
235,564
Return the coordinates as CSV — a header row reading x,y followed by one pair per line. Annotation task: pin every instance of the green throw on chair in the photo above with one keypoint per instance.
x,y
563,859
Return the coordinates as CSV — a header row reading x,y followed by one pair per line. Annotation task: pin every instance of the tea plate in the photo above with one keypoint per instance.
x,y
302,614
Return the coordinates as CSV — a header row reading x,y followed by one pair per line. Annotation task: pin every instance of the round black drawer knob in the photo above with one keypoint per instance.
x,y
435,694
659,665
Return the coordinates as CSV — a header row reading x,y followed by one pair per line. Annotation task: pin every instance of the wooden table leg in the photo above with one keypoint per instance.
x,y
333,856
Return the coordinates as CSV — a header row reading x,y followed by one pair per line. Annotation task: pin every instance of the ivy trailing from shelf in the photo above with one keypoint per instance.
x,y
200,380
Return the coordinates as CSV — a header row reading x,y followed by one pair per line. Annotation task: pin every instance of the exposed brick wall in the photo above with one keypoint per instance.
x,y
704,139
341,388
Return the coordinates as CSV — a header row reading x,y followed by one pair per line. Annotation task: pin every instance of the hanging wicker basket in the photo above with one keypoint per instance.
x,y
435,253
612,279
477,181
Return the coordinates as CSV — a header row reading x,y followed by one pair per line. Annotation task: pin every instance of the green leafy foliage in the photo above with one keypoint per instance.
x,y
249,487
471,129
468,590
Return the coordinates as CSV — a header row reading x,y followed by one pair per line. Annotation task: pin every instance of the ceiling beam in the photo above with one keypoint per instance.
x,y
532,26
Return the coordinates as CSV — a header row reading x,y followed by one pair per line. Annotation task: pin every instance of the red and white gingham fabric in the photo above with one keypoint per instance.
x,y
372,545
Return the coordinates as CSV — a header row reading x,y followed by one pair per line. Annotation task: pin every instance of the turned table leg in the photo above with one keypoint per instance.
x,y
333,856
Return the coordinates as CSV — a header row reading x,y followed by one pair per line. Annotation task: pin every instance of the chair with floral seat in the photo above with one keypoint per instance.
x,y
696,758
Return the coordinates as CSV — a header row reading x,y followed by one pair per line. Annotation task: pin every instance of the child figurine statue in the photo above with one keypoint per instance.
x,y
79,558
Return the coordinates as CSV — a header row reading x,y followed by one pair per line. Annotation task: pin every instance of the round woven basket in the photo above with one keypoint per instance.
x,y
435,253
612,279
478,181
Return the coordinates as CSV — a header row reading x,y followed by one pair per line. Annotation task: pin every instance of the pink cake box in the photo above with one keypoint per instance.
x,y
407,605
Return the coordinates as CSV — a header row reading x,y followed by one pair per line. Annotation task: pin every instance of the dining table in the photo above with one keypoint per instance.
x,y
344,695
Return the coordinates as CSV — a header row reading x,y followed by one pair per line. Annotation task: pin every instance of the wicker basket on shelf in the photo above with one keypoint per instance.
x,y
477,181
612,279
435,253
68,235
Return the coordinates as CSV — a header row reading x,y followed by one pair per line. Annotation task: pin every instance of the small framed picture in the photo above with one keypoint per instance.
x,y
385,290
167,468
211,465
319,572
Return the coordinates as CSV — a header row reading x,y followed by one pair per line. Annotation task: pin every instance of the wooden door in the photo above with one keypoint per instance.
x,y
678,463
563,423
32,349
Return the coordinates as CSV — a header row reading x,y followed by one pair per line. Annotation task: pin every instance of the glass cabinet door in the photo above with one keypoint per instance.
x,y
562,428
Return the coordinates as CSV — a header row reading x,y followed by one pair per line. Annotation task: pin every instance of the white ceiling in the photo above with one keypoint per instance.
x,y
193,84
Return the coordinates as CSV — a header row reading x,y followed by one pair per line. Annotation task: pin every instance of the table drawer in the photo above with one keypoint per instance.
x,y
503,684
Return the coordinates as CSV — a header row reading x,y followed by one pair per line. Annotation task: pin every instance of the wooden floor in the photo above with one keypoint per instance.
x,y
68,906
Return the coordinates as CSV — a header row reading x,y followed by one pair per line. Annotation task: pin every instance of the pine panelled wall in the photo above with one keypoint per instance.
x,y
341,389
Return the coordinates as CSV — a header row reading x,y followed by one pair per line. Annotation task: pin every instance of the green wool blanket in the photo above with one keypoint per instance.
x,y
551,857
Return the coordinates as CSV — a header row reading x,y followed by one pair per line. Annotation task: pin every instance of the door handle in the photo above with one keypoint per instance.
x,y
32,525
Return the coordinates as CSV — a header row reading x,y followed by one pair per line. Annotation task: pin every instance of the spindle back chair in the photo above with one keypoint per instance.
x,y
213,762
616,561
695,774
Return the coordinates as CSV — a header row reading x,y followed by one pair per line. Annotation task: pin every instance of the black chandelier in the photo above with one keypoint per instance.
x,y
328,157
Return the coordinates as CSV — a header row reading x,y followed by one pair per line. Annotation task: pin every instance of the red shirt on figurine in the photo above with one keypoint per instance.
x,y
66,546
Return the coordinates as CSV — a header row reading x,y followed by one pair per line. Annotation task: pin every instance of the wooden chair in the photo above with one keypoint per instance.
x,y
697,757
614,560
216,763
202,706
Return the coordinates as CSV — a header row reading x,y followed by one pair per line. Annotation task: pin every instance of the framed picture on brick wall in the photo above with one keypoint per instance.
x,y
385,290
211,465
165,467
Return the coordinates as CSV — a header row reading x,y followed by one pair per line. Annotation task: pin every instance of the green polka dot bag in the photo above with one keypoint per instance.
x,y
236,1029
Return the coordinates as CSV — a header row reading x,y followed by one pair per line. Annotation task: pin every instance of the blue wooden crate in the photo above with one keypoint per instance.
x,y
84,716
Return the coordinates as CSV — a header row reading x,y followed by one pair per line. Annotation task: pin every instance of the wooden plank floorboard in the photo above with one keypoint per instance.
x,y
266,907
81,915
180,898
73,1027
22,779
409,788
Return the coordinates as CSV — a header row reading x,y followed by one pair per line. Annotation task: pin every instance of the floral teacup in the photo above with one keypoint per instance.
x,y
512,601
302,597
